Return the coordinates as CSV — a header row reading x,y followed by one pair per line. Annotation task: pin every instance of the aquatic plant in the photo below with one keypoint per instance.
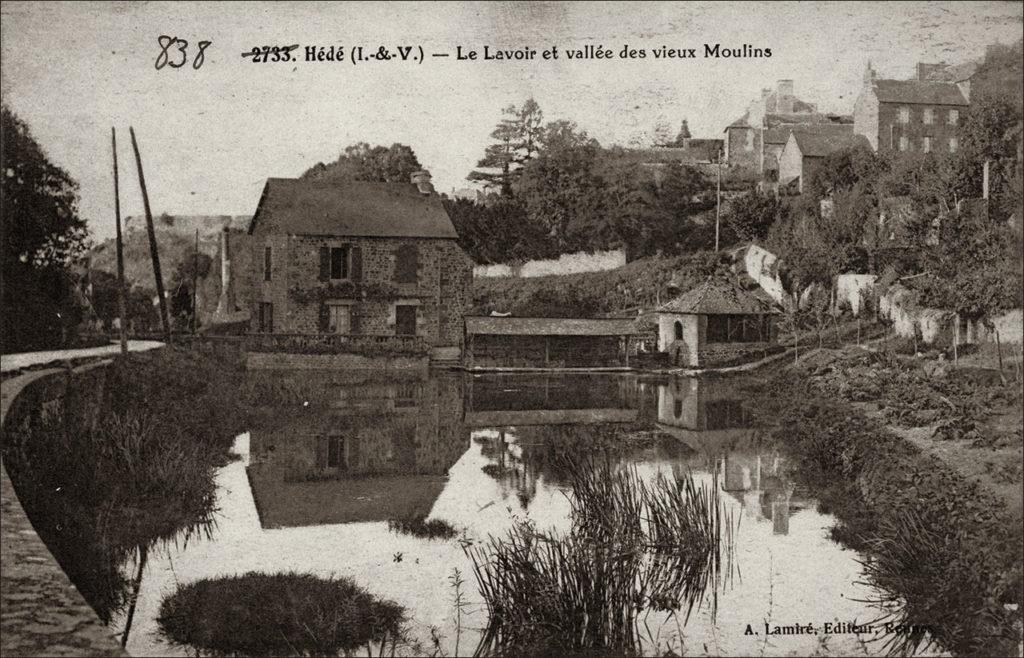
x,y
422,528
120,470
259,614
634,546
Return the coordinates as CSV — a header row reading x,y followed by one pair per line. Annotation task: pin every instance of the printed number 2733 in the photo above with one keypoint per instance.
x,y
174,53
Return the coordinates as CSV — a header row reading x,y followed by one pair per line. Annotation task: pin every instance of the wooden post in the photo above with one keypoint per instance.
x,y
718,198
121,304
164,317
195,277
956,338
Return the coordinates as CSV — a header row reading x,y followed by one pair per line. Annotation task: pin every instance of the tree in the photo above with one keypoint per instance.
x,y
42,236
516,143
752,215
362,162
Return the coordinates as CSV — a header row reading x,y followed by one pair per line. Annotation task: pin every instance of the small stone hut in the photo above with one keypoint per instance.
x,y
717,323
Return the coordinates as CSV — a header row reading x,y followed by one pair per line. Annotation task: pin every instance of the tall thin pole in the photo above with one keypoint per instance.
x,y
718,198
121,304
164,317
195,276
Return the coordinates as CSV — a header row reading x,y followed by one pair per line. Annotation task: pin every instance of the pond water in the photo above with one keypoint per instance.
x,y
332,457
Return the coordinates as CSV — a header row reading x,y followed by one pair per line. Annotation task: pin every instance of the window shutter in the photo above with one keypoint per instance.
x,y
324,320
356,273
406,263
355,320
321,451
325,263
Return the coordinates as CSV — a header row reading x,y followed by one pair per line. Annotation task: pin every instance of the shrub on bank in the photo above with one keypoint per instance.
x,y
102,484
260,614
941,553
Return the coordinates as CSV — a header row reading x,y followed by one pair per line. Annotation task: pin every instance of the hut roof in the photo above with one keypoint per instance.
x,y
719,297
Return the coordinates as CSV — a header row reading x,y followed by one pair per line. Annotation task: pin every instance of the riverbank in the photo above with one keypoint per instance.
x,y
109,460
940,541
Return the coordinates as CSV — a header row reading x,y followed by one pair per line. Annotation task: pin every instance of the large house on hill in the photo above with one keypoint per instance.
x,y
921,115
358,259
755,140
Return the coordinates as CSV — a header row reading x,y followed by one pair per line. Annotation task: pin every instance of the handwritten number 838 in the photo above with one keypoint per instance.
x,y
174,53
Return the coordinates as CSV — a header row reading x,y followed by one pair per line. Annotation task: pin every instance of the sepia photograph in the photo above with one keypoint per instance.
x,y
512,328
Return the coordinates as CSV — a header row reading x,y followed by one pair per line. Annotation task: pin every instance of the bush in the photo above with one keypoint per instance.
x,y
280,614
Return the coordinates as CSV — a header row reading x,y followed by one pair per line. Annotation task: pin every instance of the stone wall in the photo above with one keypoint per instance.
x,y
743,147
581,261
440,294
280,360
41,611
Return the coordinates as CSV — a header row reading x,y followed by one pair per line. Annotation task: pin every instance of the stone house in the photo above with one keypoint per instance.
x,y
755,140
804,152
921,115
717,323
358,260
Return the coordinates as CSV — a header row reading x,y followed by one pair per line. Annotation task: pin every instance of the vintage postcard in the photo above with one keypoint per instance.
x,y
512,328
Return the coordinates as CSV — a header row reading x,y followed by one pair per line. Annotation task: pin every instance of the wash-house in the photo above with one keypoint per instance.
x,y
717,323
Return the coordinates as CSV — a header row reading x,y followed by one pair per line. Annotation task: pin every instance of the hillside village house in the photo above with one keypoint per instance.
x,y
804,152
361,262
755,140
717,323
921,115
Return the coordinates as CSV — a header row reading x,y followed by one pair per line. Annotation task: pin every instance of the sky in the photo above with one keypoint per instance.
x,y
210,137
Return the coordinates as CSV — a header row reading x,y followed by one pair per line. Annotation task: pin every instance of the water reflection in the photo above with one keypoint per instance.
x,y
325,449
331,457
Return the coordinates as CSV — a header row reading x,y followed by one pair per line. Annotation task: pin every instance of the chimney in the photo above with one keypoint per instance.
x,y
869,73
421,179
784,97
226,303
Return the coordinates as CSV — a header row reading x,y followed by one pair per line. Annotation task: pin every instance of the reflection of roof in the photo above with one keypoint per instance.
x,y
716,297
816,145
916,91
510,326
549,417
351,208
343,500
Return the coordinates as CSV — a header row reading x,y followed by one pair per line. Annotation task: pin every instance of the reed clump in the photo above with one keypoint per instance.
x,y
634,546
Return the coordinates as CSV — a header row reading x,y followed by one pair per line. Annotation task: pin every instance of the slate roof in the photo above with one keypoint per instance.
x,y
351,208
780,135
719,297
802,118
916,91
816,145
511,326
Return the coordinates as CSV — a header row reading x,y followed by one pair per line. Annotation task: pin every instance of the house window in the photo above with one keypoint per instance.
x,y
406,263
339,318
266,317
927,145
954,117
405,320
406,395
335,451
266,263
904,143
954,144
929,116
679,330
904,115
339,262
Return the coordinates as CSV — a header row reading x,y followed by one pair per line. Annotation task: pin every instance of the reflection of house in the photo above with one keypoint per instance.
x,y
705,415
716,323
921,115
342,452
358,259
760,483
519,400
548,342
805,151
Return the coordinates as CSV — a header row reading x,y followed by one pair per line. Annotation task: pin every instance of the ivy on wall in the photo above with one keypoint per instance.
x,y
368,291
